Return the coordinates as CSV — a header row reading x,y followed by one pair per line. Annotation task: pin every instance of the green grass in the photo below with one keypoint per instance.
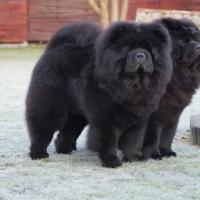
x,y
28,52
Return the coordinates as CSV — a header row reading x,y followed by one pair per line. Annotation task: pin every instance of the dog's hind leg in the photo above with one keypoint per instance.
x,y
66,139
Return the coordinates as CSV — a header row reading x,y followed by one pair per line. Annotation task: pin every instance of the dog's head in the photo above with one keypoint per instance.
x,y
186,51
186,42
131,57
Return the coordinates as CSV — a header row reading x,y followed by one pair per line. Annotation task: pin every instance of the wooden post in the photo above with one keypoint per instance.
x,y
114,10
195,129
109,11
124,10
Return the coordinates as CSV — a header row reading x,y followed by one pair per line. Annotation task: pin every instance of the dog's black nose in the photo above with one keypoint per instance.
x,y
140,57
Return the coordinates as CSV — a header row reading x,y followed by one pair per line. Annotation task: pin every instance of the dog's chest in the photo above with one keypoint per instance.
x,y
124,120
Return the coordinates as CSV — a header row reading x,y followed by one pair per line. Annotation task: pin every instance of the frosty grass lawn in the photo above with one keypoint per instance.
x,y
80,176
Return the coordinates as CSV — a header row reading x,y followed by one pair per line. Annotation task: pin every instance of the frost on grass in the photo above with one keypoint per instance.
x,y
80,176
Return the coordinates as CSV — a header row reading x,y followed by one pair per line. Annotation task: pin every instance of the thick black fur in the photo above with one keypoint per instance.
x,y
51,102
126,90
76,82
185,80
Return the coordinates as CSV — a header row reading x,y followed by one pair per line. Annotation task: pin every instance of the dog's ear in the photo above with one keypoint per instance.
x,y
169,23
161,33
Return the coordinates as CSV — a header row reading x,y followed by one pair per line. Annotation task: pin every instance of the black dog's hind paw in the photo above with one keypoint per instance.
x,y
167,153
111,162
152,152
38,155
134,157
156,157
62,148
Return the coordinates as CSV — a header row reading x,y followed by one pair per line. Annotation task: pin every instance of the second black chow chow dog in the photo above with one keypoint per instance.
x,y
114,83
185,80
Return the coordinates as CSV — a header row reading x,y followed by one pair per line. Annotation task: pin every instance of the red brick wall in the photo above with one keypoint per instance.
x,y
46,16
13,21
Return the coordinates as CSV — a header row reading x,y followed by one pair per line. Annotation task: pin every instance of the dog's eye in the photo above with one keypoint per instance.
x,y
124,50
192,30
192,33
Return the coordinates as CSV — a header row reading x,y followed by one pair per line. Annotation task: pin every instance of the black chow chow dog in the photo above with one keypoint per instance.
x,y
185,80
114,84
132,69
50,103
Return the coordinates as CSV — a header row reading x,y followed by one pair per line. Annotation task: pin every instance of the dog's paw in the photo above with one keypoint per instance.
x,y
156,156
151,152
38,155
166,153
130,157
111,162
64,149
